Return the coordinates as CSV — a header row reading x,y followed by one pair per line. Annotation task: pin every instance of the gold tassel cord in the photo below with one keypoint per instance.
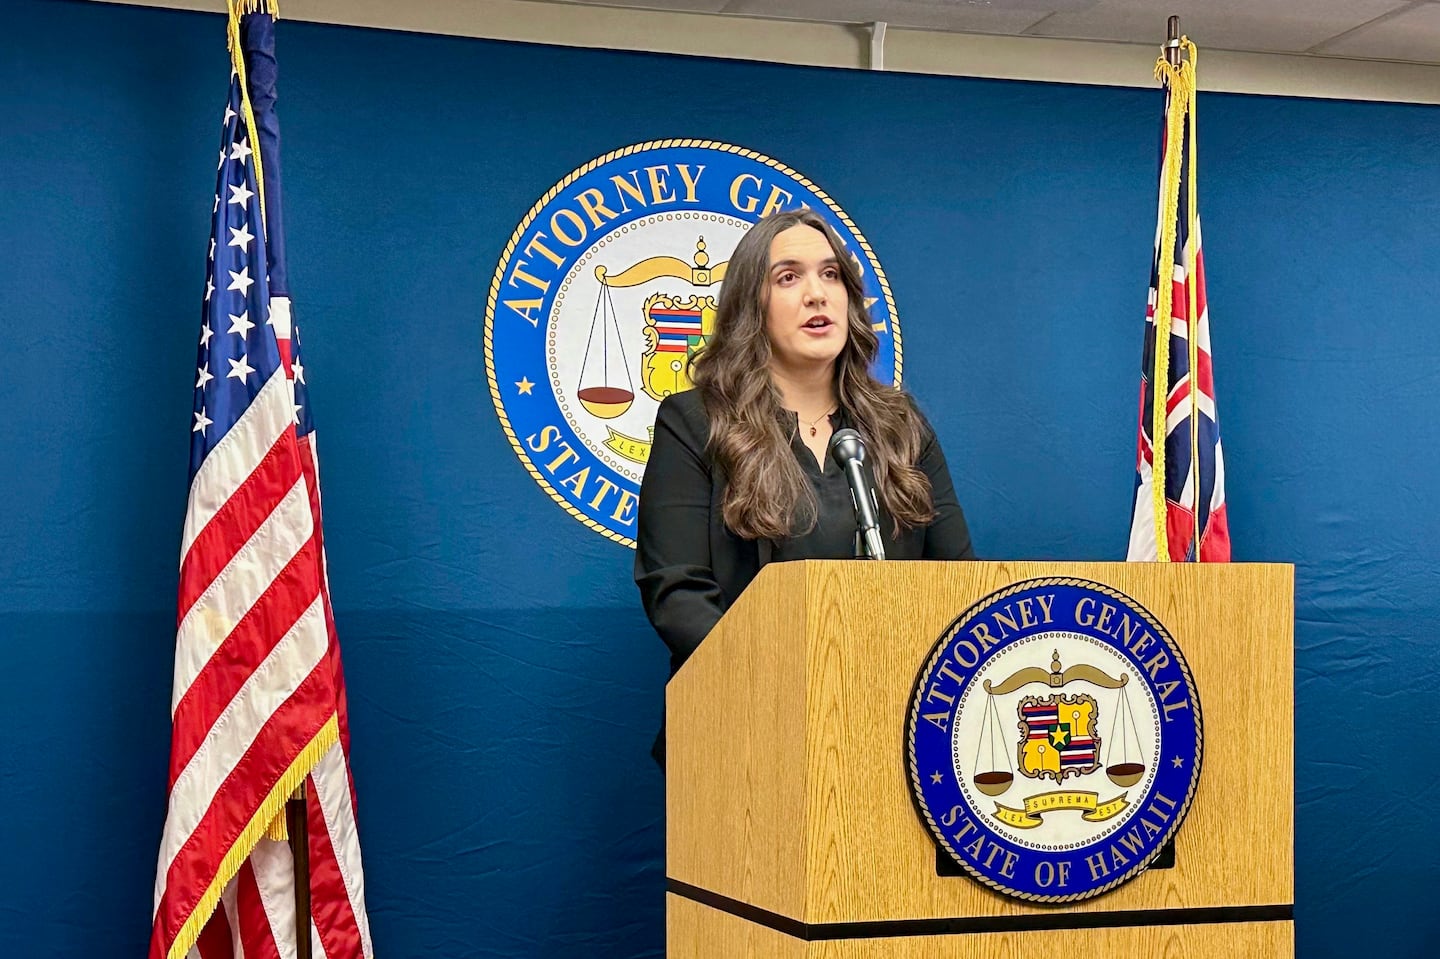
x,y
277,828
1180,79
238,9
242,7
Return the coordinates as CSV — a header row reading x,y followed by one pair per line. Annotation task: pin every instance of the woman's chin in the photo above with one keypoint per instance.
x,y
817,352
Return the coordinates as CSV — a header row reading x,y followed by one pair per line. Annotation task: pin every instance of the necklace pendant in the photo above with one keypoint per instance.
x,y
812,431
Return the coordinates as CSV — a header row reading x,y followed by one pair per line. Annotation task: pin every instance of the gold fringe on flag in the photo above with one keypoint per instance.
x,y
273,806
1180,79
279,828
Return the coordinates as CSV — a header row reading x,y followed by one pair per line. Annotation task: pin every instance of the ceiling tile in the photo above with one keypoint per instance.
x,y
956,16
1412,34
675,6
1408,30
1272,26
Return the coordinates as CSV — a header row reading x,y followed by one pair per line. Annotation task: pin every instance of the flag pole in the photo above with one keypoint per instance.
x,y
299,831
1172,41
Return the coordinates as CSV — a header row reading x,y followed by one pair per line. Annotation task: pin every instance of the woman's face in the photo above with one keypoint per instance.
x,y
806,306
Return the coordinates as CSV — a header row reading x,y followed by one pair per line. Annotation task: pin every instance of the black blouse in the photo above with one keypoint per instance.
x,y
690,567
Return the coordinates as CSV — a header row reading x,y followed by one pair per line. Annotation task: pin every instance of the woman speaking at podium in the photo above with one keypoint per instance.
x,y
738,474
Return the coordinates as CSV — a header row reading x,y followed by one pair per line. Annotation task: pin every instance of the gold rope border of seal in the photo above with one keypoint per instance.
x,y
554,191
938,650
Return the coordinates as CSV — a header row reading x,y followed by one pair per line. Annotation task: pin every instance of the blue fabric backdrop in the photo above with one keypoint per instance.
x,y
504,684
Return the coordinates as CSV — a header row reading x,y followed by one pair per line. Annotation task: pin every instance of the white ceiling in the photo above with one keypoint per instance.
x,y
1403,30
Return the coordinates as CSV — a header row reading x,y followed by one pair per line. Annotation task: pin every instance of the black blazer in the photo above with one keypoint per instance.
x,y
690,567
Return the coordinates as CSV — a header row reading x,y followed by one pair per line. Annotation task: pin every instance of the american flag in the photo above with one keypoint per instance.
x,y
1187,512
258,706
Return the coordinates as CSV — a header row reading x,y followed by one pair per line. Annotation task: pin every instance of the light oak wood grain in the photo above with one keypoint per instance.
x,y
786,784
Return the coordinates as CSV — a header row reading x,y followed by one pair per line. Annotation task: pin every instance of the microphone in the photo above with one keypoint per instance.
x,y
847,449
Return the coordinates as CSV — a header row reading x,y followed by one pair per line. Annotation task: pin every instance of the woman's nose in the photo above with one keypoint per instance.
x,y
814,290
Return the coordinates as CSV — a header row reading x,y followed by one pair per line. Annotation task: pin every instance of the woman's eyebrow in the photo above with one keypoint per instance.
x,y
791,264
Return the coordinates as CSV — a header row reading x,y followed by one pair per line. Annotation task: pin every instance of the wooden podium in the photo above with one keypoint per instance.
x,y
790,827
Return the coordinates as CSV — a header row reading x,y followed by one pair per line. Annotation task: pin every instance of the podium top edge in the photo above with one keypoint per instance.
x,y
1047,563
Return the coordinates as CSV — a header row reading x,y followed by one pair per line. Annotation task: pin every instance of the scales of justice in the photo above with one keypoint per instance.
x,y
675,328
1058,733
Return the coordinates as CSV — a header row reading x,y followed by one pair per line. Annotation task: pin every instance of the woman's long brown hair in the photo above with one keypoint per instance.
x,y
767,495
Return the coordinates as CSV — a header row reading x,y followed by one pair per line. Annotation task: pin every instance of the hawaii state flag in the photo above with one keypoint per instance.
x,y
1179,508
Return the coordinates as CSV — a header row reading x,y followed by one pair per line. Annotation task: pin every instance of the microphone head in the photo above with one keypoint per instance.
x,y
846,445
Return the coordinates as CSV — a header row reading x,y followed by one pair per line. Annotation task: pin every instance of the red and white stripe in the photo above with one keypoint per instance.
x,y
257,678
1180,405
253,682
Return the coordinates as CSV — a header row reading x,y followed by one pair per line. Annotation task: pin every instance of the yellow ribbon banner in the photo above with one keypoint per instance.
x,y
1036,806
637,450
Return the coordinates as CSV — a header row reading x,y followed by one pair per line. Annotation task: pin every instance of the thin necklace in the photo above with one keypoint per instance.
x,y
814,424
